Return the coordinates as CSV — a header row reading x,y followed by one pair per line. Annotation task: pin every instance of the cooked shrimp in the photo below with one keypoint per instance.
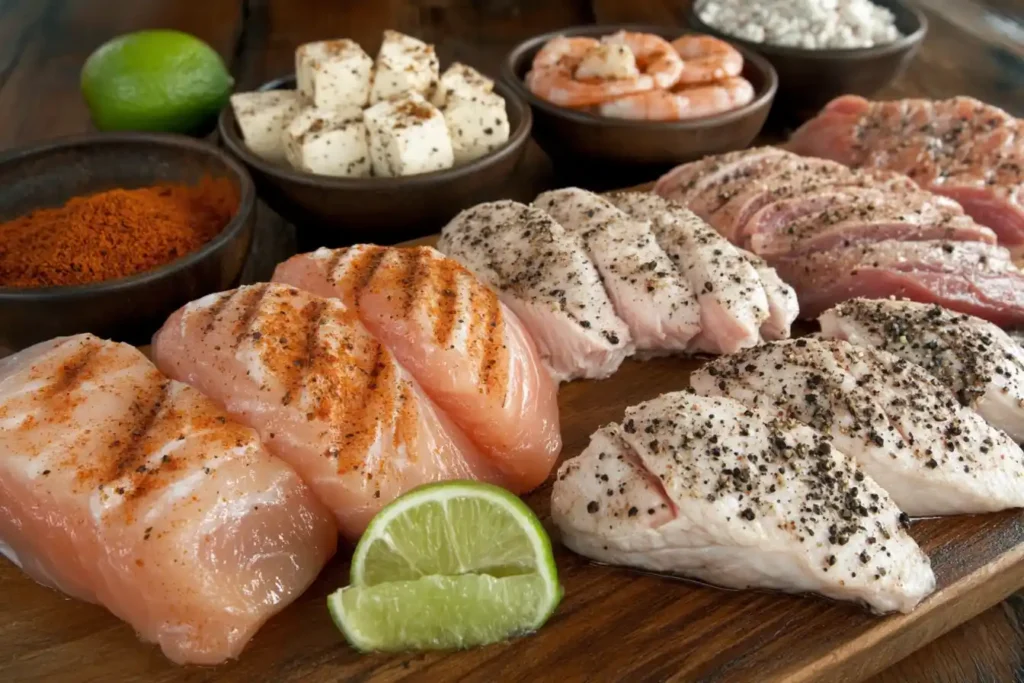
x,y
707,59
654,54
555,73
564,51
681,103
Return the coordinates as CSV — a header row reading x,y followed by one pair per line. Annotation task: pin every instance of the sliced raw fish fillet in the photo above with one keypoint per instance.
x,y
907,430
544,275
981,364
733,302
657,303
962,148
968,277
706,488
324,394
123,488
470,354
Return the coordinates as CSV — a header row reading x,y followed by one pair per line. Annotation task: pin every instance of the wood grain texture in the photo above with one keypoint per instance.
x,y
46,637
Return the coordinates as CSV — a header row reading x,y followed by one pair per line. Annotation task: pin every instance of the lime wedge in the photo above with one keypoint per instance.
x,y
445,566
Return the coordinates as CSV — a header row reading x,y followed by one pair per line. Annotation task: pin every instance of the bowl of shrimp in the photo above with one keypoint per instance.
x,y
639,96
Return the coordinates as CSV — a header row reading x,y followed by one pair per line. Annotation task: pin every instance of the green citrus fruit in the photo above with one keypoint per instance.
x,y
446,566
156,81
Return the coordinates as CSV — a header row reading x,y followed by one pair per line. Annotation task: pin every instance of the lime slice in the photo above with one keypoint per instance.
x,y
157,80
445,566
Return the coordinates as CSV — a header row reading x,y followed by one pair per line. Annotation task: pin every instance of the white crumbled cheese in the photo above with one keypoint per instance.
x,y
404,65
608,61
477,124
262,118
462,79
334,73
331,142
408,135
810,24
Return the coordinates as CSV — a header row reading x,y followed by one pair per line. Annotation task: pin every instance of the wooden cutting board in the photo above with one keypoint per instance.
x,y
614,624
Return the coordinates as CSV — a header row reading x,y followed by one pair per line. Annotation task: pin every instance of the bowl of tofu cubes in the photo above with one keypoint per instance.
x,y
386,149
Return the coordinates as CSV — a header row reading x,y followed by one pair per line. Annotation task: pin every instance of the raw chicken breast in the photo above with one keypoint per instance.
x,y
907,431
969,277
543,274
706,488
973,358
732,298
469,353
648,292
783,305
960,147
126,489
323,393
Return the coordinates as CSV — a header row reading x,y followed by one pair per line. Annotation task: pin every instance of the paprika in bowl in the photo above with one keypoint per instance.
x,y
110,233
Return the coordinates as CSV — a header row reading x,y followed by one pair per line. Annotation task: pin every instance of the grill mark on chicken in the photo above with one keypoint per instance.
x,y
359,271
310,320
213,312
416,269
446,310
250,300
334,261
74,371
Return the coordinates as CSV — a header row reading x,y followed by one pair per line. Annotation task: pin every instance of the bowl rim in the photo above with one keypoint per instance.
x,y
227,127
905,42
762,99
241,217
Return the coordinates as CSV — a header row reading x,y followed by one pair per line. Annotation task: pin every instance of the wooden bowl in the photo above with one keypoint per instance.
x,y
808,79
129,309
333,212
632,151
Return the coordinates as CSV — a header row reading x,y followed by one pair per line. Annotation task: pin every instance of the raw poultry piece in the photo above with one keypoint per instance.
x,y
543,274
709,489
970,277
960,147
324,394
776,203
741,298
644,285
976,360
470,354
123,488
908,431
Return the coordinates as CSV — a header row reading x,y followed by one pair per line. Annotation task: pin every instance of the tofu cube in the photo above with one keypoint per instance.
x,y
262,118
333,74
462,79
477,124
404,65
329,142
408,135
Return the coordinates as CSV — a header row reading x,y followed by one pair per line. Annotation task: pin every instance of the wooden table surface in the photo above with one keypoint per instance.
x,y
974,47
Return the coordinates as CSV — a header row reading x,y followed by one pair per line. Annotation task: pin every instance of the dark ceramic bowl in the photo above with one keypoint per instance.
x,y
635,149
130,309
333,212
808,79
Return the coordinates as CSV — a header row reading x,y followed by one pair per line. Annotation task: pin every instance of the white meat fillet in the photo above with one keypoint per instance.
x,y
543,274
907,430
973,358
648,292
709,489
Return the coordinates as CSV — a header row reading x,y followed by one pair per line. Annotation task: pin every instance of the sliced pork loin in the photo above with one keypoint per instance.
x,y
741,298
960,147
543,274
709,489
973,358
777,203
647,290
968,277
907,430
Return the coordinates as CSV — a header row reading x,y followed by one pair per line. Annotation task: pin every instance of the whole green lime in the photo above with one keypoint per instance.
x,y
156,81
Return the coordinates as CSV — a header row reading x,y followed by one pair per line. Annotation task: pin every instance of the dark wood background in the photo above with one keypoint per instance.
x,y
974,47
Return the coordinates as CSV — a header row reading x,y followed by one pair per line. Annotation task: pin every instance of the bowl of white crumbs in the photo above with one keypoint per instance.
x,y
354,148
820,48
